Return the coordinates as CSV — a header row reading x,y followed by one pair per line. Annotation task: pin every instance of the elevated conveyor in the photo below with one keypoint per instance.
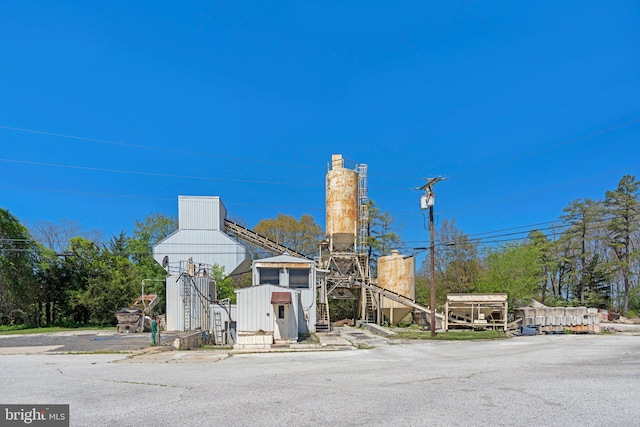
x,y
251,237
403,300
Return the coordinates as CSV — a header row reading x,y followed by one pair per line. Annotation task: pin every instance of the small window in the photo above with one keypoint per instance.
x,y
299,278
269,276
281,312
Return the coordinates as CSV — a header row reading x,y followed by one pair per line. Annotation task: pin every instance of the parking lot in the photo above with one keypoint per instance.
x,y
537,380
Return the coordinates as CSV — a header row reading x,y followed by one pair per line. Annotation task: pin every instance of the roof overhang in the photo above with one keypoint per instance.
x,y
280,298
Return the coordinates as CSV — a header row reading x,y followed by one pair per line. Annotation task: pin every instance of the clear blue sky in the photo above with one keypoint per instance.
x,y
525,106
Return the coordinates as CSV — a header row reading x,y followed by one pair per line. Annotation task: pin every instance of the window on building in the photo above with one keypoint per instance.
x,y
299,278
270,276
281,312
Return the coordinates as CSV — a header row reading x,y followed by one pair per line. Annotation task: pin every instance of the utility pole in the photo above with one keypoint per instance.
x,y
427,201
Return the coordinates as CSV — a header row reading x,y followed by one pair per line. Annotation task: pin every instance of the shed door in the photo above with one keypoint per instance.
x,y
282,321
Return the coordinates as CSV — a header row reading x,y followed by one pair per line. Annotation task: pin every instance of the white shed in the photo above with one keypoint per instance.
x,y
267,314
281,304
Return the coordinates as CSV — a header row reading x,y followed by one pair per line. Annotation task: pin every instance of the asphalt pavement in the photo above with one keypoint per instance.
x,y
587,380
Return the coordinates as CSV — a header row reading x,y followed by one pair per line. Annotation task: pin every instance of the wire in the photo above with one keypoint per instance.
x,y
169,150
149,147
164,175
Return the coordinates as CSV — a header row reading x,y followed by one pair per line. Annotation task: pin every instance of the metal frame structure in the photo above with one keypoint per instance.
x,y
476,311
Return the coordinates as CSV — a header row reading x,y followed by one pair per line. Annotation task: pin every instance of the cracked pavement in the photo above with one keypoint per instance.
x,y
539,380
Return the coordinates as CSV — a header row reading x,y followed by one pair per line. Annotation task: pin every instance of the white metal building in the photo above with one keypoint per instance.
x,y
188,255
201,238
281,304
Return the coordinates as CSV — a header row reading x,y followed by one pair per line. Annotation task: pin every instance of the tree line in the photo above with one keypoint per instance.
x,y
589,256
57,275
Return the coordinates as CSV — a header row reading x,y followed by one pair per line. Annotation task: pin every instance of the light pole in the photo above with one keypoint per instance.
x,y
427,201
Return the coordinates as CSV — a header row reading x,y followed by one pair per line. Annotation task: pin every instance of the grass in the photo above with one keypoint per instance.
x,y
25,330
311,339
216,347
452,335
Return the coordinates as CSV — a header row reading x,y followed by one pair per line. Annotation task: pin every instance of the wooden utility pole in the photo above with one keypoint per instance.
x,y
427,201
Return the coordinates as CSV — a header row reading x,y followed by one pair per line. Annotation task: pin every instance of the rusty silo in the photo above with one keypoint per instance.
x,y
397,273
342,205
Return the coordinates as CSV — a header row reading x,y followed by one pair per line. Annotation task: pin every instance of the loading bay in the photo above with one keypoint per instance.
x,y
534,380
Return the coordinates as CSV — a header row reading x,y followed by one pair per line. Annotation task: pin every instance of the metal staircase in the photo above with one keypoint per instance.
x,y
371,307
322,322
251,237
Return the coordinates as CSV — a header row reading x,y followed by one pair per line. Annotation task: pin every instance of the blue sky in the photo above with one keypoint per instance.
x,y
524,106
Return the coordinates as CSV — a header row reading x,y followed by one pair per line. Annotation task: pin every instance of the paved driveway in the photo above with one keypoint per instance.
x,y
587,380
65,342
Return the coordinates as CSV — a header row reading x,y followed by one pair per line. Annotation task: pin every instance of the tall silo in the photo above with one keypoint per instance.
x,y
397,273
342,205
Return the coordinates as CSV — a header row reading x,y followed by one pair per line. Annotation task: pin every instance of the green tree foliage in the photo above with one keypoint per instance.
x,y
138,248
623,209
302,236
224,284
515,269
597,283
457,265
114,286
382,235
582,217
18,264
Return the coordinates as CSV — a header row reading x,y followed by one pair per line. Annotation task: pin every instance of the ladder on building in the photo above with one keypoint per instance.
x,y
186,301
218,336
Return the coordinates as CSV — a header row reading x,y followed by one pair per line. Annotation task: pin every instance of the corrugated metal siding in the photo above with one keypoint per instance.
x,y
224,317
255,311
254,308
201,213
175,307
200,295
295,315
204,246
307,296
199,315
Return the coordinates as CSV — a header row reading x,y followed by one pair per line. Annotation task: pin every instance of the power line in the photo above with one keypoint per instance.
x,y
164,175
149,147
298,165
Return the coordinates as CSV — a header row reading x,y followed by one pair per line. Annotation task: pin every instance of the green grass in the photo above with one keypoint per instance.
x,y
452,335
25,330
216,347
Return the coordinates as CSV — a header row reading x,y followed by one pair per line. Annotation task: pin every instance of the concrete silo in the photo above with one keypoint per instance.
x,y
341,205
397,274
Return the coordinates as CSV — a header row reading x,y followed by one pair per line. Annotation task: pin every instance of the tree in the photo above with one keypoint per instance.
x,y
514,269
224,284
382,235
582,217
115,285
457,264
623,208
547,261
19,255
139,248
301,236
596,282
57,236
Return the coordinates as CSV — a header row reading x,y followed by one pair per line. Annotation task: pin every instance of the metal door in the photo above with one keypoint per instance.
x,y
282,322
